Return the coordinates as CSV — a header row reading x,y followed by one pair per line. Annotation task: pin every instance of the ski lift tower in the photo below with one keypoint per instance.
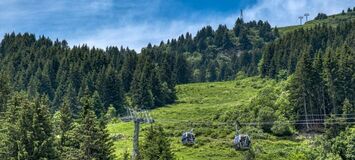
x,y
300,17
138,117
306,15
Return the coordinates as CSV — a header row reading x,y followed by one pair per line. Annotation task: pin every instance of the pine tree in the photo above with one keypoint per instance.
x,y
302,84
142,96
98,106
238,27
71,97
156,145
36,140
5,91
112,91
12,134
212,72
244,41
94,140
127,71
65,144
182,70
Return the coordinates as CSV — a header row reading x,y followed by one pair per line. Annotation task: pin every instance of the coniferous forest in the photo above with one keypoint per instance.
x,y
58,102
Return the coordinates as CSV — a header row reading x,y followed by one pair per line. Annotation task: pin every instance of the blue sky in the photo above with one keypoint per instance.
x,y
135,23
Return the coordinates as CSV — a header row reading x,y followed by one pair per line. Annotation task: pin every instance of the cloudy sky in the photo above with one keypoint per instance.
x,y
135,23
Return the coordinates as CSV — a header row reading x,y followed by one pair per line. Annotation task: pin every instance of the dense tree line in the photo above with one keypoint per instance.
x,y
43,67
28,131
321,60
217,55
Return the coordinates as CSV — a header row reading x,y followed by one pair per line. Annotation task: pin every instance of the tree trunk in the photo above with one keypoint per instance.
x,y
305,109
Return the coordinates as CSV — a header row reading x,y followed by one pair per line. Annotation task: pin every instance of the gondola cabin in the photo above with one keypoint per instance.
x,y
188,138
242,142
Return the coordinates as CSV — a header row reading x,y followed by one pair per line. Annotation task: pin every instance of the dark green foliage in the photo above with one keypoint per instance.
x,y
344,144
182,70
29,132
322,62
94,141
334,125
65,145
156,145
5,91
43,67
142,95
320,16
238,27
244,41
36,135
112,91
12,134
282,126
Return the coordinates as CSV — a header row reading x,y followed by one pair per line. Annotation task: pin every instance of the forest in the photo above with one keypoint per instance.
x,y
57,101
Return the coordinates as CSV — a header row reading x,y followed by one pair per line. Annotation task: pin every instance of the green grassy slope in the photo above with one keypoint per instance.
x,y
197,107
332,20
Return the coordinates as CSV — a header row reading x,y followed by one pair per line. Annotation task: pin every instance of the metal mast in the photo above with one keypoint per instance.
x,y
241,14
138,117
300,17
306,15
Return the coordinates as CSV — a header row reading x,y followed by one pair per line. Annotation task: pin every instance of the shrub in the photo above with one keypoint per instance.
x,y
282,127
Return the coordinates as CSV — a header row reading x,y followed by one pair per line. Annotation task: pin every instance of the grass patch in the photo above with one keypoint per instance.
x,y
198,106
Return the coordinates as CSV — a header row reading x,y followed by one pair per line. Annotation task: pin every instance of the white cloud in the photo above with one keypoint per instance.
x,y
286,12
277,12
134,23
136,36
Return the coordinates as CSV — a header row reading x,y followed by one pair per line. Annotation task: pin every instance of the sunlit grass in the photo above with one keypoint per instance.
x,y
201,102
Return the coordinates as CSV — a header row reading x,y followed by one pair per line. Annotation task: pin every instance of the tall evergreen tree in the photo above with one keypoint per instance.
x,y
36,140
301,86
182,70
156,147
94,143
143,97
5,91
12,135
112,91
66,148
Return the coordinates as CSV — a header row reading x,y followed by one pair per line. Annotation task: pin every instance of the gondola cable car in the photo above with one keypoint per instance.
x,y
241,141
188,138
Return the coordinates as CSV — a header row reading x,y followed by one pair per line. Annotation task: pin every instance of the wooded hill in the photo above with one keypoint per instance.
x,y
39,76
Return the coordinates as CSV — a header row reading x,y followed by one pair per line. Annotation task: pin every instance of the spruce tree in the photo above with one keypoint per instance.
x,y
301,86
127,71
94,140
98,106
112,91
10,149
238,27
142,96
5,91
36,140
65,142
156,145
182,70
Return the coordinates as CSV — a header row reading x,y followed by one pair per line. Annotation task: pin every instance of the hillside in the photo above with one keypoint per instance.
x,y
332,20
292,90
197,107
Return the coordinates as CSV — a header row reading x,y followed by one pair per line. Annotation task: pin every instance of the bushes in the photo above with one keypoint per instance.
x,y
282,127
265,118
320,16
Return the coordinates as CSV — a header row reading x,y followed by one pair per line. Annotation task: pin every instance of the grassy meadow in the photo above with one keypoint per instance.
x,y
198,106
